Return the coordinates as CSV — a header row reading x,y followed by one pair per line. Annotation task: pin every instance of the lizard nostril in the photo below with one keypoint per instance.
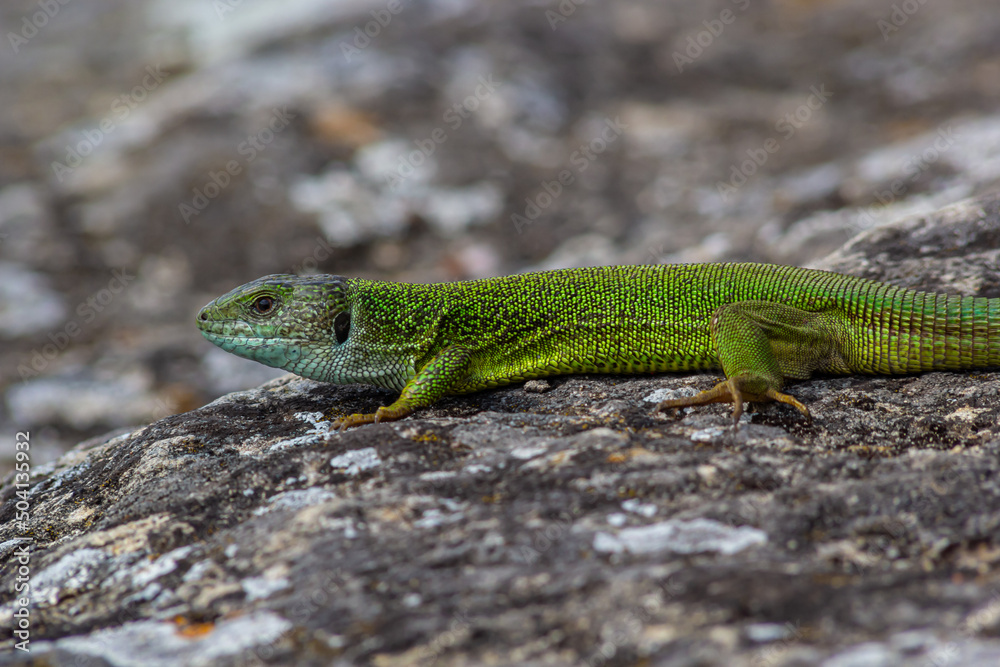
x,y
204,316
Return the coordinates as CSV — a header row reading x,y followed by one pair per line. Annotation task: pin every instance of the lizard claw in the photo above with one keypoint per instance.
x,y
789,400
344,423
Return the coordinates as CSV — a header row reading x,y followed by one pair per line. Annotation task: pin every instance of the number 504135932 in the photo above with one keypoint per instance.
x,y
22,466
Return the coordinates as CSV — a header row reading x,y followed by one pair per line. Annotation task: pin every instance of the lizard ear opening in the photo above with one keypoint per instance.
x,y
342,326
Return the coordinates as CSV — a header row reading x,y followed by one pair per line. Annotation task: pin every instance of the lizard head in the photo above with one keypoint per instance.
x,y
285,321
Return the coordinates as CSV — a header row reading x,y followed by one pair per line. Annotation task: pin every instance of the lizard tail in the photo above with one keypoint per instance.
x,y
946,332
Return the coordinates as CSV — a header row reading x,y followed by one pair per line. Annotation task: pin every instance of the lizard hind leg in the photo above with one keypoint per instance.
x,y
759,344
731,391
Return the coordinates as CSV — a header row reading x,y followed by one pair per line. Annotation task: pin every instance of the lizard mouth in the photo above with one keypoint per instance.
x,y
276,352
230,334
240,343
222,340
219,331
226,341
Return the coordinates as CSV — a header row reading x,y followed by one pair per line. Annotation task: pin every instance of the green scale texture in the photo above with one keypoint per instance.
x,y
759,322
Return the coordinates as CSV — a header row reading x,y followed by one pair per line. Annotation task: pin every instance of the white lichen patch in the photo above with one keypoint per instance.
x,y
71,573
664,394
297,499
433,518
146,573
635,506
966,413
260,588
528,452
356,461
159,644
683,537
318,433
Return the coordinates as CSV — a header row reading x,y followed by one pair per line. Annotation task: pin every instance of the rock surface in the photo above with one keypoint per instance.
x,y
564,525
156,153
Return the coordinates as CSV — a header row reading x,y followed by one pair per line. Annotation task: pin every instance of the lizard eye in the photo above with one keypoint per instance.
x,y
342,326
263,305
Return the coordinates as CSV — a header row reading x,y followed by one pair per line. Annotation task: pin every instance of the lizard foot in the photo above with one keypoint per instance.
x,y
729,391
383,414
357,419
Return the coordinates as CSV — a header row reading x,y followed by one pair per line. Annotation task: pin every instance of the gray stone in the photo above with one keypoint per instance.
x,y
574,521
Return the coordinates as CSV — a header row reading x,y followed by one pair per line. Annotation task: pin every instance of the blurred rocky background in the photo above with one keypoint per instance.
x,y
155,154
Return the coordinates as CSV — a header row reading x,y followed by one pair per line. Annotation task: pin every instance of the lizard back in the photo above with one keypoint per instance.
x,y
638,319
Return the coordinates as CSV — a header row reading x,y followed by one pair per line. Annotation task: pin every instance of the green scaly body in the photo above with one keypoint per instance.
x,y
758,323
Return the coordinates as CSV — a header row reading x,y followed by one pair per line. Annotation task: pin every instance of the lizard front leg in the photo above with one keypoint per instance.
x,y
759,344
435,379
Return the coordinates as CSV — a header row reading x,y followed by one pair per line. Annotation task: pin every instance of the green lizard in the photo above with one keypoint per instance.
x,y
760,324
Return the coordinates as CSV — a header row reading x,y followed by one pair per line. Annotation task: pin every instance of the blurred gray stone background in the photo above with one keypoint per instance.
x,y
154,154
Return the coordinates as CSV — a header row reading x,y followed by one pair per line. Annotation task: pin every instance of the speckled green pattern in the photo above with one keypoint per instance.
x,y
761,322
